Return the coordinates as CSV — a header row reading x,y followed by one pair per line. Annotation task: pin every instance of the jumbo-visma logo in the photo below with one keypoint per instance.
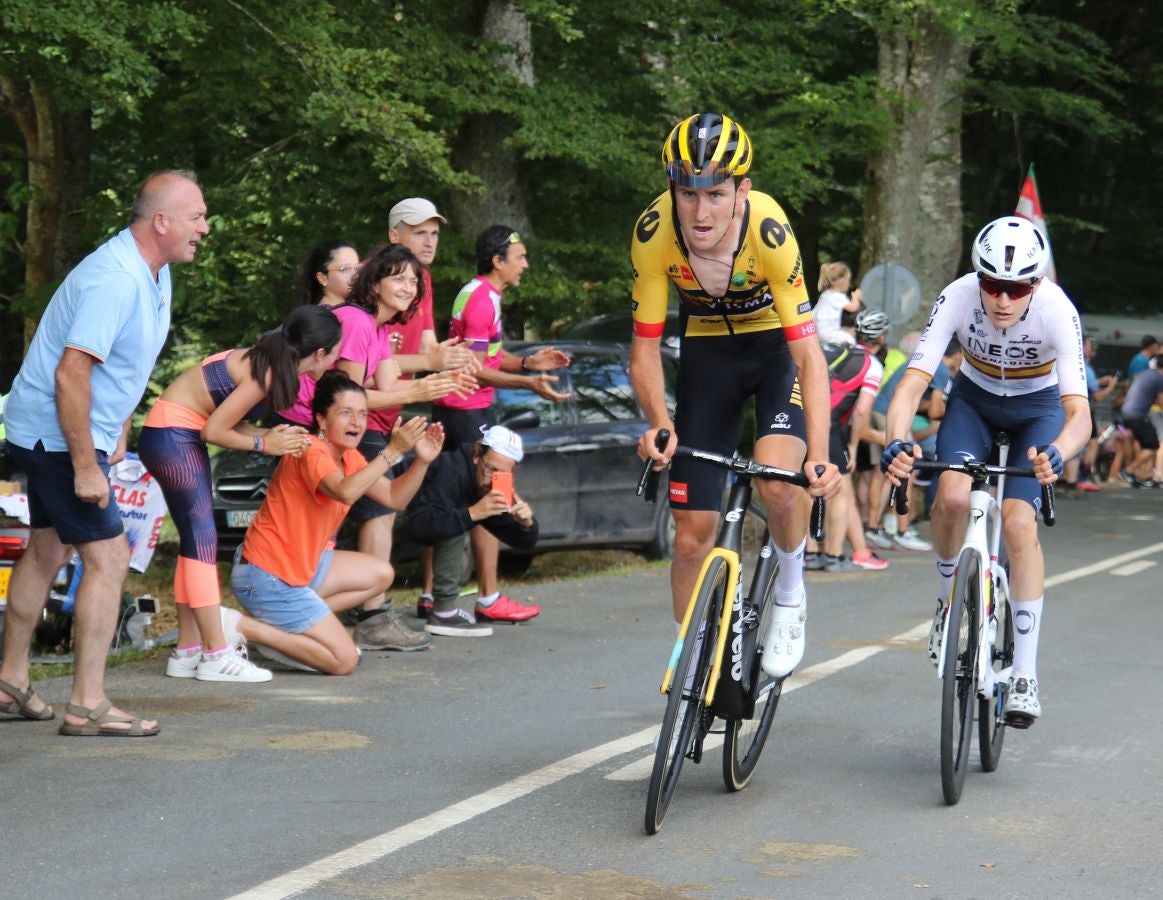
x,y
678,491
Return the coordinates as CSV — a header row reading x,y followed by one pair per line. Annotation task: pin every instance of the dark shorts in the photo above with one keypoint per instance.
x,y
973,415
1144,431
53,503
365,508
716,377
838,440
461,426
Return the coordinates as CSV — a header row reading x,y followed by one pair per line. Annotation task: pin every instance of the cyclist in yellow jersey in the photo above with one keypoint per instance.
x,y
747,331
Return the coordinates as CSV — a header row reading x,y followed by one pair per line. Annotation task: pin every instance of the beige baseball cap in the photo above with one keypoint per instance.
x,y
413,211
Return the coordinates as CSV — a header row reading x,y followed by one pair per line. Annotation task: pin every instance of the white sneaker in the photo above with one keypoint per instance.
x,y
878,538
231,665
182,666
230,618
1022,706
935,633
910,540
783,645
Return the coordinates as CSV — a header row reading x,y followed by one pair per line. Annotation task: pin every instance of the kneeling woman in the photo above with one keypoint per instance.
x,y
284,573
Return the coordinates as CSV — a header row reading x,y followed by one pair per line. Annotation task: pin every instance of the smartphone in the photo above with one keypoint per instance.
x,y
503,482
146,604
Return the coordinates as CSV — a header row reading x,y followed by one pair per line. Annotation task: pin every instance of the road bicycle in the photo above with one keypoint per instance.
x,y
714,669
979,662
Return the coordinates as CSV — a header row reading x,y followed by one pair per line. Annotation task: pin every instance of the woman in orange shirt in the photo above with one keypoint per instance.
x,y
284,573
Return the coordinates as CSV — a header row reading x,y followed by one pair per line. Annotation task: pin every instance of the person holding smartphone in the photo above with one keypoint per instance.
x,y
470,486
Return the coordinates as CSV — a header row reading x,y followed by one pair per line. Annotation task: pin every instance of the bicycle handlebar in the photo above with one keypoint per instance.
x,y
648,483
980,471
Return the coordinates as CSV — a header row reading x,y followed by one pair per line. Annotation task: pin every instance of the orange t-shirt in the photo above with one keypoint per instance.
x,y
297,519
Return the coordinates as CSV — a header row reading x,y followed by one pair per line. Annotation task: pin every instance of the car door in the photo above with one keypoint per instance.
x,y
547,476
609,423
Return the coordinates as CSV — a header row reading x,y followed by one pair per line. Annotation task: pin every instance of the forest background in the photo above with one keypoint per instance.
x,y
890,130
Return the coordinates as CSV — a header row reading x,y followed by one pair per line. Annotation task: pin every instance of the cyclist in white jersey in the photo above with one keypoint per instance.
x,y
1023,374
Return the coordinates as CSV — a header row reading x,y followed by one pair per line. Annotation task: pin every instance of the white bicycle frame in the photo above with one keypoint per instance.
x,y
984,538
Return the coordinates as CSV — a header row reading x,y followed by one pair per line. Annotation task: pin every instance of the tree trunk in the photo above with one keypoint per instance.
x,y
54,180
913,211
483,148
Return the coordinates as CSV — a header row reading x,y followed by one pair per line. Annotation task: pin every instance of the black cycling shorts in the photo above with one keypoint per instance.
x,y
716,376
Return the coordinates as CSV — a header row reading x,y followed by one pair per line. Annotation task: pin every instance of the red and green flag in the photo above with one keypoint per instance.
x,y
1030,207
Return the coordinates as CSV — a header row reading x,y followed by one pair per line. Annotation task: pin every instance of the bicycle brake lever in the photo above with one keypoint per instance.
x,y
1048,515
899,499
648,482
817,527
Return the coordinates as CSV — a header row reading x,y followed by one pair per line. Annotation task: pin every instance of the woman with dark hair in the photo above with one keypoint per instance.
x,y
213,403
284,573
327,273
387,290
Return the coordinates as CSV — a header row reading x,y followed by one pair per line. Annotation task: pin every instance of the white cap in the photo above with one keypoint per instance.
x,y
413,211
505,442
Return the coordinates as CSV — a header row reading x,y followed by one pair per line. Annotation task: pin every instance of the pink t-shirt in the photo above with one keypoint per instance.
x,y
476,320
362,343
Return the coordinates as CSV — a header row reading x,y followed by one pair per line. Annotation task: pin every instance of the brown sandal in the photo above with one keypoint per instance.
x,y
99,718
18,706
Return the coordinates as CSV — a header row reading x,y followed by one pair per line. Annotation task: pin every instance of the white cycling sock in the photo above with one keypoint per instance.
x,y
946,569
790,578
1027,625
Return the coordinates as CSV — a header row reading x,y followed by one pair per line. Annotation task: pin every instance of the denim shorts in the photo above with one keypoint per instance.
x,y
53,502
270,599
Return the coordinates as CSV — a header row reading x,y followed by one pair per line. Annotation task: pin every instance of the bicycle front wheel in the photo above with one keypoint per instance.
x,y
959,682
685,703
744,738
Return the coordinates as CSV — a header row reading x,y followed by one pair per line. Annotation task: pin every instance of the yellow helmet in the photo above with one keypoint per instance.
x,y
706,149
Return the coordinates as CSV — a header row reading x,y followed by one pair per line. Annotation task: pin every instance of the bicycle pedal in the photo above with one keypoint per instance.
x,y
1019,721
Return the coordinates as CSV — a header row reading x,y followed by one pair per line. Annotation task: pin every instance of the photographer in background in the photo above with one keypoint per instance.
x,y
470,486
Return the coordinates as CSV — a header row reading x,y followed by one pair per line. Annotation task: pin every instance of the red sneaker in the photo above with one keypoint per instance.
x,y
869,560
506,609
1088,486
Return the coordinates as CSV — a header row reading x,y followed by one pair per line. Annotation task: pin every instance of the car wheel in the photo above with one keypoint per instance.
x,y
661,546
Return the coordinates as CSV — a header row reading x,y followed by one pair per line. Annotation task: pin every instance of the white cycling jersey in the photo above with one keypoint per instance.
x,y
1041,349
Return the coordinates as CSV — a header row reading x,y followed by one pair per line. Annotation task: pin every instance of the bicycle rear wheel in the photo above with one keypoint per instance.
x,y
685,702
958,685
744,738
991,726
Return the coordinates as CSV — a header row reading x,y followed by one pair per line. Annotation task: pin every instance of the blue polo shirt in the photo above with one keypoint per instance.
x,y
110,307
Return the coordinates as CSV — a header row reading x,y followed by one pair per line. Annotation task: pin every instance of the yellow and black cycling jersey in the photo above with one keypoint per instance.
x,y
766,289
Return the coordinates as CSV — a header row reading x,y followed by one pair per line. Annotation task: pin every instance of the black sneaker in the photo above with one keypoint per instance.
x,y
423,606
457,623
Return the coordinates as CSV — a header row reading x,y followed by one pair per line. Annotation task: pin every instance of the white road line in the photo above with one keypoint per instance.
x,y
1134,568
377,848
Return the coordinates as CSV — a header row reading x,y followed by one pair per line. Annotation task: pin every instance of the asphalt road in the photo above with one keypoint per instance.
x,y
515,766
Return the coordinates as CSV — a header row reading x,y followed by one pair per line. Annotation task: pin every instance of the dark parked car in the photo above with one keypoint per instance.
x,y
579,472
619,326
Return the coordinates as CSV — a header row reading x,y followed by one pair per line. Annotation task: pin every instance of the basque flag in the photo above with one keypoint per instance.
x,y
1030,207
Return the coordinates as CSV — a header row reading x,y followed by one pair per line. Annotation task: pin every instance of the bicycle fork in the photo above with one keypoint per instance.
x,y
731,560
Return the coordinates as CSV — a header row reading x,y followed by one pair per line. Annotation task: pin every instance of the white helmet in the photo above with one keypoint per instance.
x,y
1011,249
871,323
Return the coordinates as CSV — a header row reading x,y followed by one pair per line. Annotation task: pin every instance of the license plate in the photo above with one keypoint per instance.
x,y
5,574
240,518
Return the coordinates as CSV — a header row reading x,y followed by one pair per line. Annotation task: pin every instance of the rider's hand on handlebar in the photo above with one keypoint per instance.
x,y
1048,462
825,484
897,460
647,450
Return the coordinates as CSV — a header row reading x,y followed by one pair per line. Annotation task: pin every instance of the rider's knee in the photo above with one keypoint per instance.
x,y
1019,530
952,501
779,495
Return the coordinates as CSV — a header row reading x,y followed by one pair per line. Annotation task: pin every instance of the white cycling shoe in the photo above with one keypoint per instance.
x,y
935,634
783,645
1022,706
